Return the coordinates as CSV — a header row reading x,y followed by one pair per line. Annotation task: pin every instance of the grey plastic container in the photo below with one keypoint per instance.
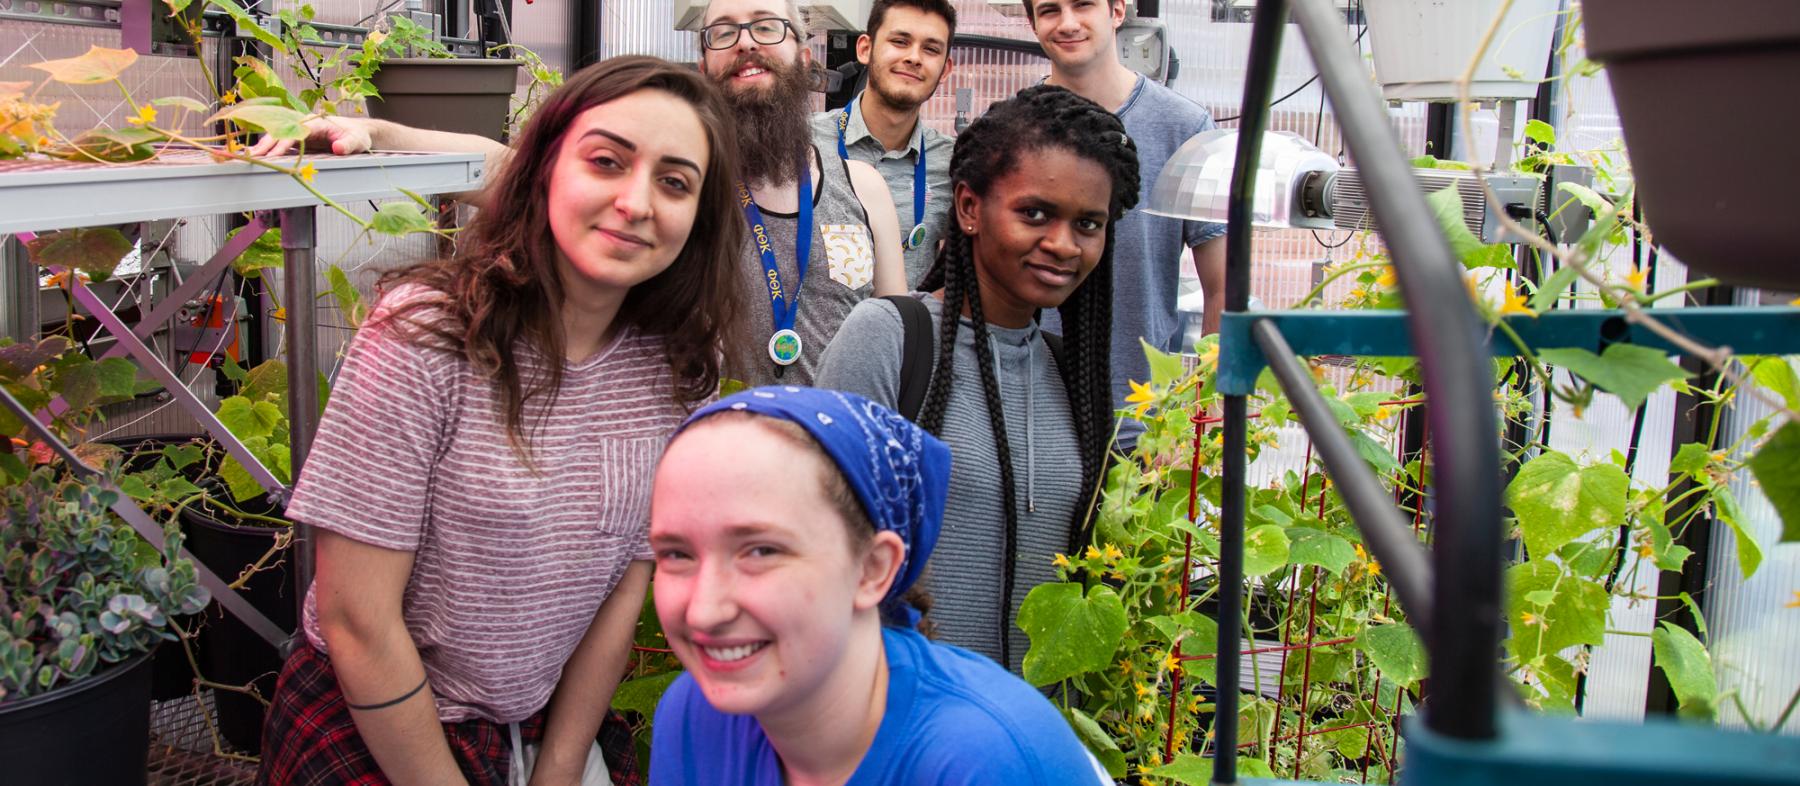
x,y
467,96
1704,91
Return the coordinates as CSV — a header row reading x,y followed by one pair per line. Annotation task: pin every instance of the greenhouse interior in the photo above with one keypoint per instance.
x,y
1260,391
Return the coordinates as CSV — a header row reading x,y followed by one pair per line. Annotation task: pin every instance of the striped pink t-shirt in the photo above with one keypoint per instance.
x,y
510,566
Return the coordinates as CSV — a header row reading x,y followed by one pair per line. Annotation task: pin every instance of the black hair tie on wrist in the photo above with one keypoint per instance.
x,y
386,704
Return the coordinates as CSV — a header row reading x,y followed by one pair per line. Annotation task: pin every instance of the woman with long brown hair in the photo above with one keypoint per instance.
x,y
479,486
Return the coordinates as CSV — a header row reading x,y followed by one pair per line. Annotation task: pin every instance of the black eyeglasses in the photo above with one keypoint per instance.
x,y
768,31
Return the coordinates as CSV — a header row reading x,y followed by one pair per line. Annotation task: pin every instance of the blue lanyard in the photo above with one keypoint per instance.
x,y
783,304
918,167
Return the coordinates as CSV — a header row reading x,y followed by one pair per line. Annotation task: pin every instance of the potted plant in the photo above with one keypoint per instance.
x,y
83,599
1421,47
1708,188
437,91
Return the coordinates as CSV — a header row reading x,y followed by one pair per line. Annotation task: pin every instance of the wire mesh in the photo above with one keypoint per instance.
x,y
182,743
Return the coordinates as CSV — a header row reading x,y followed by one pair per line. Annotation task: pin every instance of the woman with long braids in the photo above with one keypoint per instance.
x,y
479,489
1039,181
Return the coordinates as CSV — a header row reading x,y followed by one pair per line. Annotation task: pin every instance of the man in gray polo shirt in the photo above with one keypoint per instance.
x,y
907,50
1080,38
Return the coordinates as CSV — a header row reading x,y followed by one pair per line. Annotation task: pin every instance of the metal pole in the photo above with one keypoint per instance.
x,y
1259,85
1464,641
298,233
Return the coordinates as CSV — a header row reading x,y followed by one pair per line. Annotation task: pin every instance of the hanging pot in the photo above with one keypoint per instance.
x,y
1703,91
463,95
1422,47
96,730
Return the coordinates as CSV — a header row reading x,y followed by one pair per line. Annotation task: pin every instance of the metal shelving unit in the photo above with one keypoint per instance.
x,y
39,195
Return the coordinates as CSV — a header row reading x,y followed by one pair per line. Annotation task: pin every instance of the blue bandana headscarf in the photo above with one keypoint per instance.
x,y
899,473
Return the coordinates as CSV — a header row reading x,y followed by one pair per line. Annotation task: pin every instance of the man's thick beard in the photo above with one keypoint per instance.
x,y
772,128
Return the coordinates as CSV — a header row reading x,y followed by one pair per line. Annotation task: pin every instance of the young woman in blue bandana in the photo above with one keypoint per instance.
x,y
788,524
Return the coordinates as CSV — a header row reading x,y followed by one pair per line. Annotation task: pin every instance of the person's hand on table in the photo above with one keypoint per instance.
x,y
338,135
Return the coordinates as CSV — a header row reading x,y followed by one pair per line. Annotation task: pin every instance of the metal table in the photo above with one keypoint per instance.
x,y
45,195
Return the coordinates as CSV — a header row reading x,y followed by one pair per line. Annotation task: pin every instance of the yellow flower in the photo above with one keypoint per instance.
x,y
1515,304
146,115
1387,279
230,97
1358,293
1141,395
1383,413
1210,354
1112,552
1646,552
1795,603
1143,690
1635,279
307,172
1171,663
1093,553
1529,618
1374,568
1061,561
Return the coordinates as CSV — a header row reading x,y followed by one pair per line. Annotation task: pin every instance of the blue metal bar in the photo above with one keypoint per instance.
x,y
1464,641
1259,86
1753,331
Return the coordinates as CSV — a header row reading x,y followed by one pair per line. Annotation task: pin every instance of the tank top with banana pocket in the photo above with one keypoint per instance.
x,y
840,274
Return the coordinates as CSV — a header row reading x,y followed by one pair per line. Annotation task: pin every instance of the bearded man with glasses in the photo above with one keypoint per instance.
x,y
823,231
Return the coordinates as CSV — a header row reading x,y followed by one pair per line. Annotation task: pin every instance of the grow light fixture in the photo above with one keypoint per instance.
x,y
1299,186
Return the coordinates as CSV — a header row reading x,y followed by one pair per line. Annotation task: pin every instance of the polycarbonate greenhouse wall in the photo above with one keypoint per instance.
x,y
1757,637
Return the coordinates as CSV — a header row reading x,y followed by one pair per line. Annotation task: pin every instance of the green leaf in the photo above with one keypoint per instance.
x,y
113,145
1589,197
1685,662
1557,502
1540,132
1691,460
238,480
268,382
1190,769
1096,739
1777,376
1340,409
262,254
1071,633
1576,614
95,251
135,488
184,102
19,360
176,488
1379,456
277,121
1447,207
1314,547
258,83
1165,368
642,694
93,67
349,299
399,218
1265,550
1628,371
1395,650
1366,403
1749,552
118,378
247,22
1553,287
246,419
1776,467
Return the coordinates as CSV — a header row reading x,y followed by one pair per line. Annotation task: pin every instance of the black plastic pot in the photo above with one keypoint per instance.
x,y
234,654
1701,90
96,731
467,96
171,675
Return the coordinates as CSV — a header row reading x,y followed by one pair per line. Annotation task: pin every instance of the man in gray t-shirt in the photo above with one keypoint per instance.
x,y
1080,38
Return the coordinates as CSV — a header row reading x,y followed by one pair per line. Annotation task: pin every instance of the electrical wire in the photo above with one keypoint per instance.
x,y
1295,91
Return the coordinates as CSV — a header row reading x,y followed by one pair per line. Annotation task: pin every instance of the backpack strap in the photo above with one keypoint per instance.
x,y
915,353
1053,341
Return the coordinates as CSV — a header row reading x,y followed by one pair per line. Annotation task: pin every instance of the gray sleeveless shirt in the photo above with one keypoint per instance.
x,y
840,274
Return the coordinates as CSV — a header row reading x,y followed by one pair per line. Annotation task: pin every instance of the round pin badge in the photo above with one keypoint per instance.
x,y
784,347
916,238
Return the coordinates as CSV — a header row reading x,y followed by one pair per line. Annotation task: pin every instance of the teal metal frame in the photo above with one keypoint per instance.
x,y
1470,730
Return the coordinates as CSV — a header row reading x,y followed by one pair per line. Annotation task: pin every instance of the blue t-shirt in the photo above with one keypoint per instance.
x,y
953,718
